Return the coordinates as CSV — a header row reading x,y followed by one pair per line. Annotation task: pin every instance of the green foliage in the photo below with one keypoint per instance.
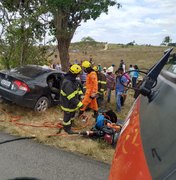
x,y
74,11
60,3
68,15
130,44
21,30
167,39
10,55
87,39
87,43
27,21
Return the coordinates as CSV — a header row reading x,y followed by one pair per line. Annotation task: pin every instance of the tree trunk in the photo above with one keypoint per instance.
x,y
64,34
22,53
63,47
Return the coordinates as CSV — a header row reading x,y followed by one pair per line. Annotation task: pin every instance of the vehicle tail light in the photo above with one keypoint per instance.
x,y
22,86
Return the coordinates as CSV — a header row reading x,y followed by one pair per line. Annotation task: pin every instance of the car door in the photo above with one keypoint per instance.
x,y
158,126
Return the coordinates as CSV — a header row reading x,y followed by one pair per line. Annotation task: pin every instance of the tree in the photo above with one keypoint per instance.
x,y
21,29
131,43
167,40
68,15
87,42
87,39
32,18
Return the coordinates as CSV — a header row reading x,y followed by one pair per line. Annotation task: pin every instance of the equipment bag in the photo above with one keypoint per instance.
x,y
102,130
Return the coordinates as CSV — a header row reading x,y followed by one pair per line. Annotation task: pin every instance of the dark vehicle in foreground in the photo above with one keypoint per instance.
x,y
32,86
147,143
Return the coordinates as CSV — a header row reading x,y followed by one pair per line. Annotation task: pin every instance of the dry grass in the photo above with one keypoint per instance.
x,y
143,56
10,112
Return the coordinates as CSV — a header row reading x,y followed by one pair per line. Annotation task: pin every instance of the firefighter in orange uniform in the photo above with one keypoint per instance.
x,y
101,87
89,99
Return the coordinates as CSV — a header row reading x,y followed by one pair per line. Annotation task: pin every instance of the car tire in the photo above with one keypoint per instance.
x,y
41,105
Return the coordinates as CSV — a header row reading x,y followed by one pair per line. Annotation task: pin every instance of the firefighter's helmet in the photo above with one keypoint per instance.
x,y
75,69
86,64
95,68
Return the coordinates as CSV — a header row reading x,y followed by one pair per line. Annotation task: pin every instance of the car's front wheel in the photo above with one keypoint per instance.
x,y
42,104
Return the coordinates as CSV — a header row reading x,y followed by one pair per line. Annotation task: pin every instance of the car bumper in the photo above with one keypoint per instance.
x,y
21,99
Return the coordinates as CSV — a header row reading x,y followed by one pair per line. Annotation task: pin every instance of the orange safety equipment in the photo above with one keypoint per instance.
x,y
75,69
114,126
91,91
86,64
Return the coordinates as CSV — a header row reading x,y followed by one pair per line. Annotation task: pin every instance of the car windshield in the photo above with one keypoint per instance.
x,y
30,71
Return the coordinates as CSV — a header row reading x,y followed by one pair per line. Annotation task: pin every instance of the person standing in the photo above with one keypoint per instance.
x,y
122,65
101,86
121,81
123,99
89,99
110,79
131,70
69,97
112,67
83,77
135,76
76,61
91,60
99,68
54,62
104,71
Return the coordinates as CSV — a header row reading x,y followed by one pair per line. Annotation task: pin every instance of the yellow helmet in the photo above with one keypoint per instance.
x,y
75,69
86,64
95,68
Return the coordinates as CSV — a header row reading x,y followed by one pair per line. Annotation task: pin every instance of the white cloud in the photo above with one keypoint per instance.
x,y
159,22
146,22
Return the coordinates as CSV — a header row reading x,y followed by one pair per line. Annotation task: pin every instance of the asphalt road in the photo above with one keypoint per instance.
x,y
26,158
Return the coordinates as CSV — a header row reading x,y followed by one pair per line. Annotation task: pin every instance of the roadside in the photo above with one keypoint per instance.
x,y
21,121
26,158
73,143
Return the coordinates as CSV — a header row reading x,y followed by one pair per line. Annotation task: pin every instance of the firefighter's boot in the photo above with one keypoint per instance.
x,y
67,129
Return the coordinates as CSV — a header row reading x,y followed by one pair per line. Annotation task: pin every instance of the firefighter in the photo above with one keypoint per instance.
x,y
70,92
89,99
101,86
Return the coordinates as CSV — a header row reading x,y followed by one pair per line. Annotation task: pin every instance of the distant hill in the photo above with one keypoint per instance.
x,y
143,56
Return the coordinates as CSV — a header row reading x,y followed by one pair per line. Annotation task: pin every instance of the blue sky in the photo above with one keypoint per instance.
x,y
145,21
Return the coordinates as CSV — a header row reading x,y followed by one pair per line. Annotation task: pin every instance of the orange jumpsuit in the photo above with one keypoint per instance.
x,y
91,87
